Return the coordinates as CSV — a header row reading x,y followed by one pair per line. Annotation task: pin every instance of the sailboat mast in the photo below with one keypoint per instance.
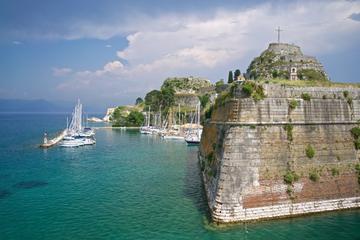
x,y
160,123
179,115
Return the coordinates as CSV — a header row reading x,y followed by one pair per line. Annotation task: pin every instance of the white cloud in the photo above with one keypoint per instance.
x,y
108,46
188,45
17,42
60,72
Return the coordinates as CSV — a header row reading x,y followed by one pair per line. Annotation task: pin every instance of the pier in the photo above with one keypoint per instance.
x,y
49,143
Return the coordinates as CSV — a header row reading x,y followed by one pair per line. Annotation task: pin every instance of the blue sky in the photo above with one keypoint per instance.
x,y
109,52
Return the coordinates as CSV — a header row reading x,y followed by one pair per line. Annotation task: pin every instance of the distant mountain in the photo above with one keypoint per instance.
x,y
37,105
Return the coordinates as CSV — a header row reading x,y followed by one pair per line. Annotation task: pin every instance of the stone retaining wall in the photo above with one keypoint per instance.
x,y
246,152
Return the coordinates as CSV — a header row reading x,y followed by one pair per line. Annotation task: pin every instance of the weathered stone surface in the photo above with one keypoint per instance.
x,y
280,57
246,151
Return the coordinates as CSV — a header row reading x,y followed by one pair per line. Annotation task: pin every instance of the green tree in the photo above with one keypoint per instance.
x,y
138,101
134,119
237,73
230,77
153,99
118,117
167,97
204,100
218,85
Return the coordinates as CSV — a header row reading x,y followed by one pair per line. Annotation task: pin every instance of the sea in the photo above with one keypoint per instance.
x,y
127,186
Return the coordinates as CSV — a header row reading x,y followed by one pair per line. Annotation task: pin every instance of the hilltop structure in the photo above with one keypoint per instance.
x,y
286,61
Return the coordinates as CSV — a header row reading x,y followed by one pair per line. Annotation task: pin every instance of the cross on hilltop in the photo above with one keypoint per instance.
x,y
278,30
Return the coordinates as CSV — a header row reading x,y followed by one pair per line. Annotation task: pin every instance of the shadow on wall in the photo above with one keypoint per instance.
x,y
193,185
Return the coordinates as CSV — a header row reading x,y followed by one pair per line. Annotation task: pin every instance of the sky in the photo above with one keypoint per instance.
x,y
108,53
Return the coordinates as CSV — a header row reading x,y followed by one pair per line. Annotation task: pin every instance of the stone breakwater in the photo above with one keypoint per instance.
x,y
248,147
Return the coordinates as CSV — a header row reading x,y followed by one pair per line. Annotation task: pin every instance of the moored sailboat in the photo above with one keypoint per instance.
x,y
193,137
76,135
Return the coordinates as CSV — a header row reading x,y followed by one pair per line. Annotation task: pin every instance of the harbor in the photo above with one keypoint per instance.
x,y
75,134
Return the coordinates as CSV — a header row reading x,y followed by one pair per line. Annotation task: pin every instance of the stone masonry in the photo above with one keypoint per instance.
x,y
246,151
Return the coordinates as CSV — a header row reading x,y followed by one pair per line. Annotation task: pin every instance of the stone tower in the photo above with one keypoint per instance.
x,y
278,60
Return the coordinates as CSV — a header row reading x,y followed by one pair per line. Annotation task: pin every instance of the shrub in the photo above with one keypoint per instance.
x,y
346,94
275,73
247,89
289,190
290,177
305,96
314,176
210,157
357,169
223,98
250,88
349,100
357,144
204,100
310,151
335,172
288,128
312,75
209,112
293,104
355,132
219,86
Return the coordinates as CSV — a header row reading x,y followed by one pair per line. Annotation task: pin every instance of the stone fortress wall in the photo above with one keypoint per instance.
x,y
246,150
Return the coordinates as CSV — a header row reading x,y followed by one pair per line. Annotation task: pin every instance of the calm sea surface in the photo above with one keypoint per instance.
x,y
127,186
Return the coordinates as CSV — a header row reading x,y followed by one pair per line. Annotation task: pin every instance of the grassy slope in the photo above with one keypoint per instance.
x,y
307,83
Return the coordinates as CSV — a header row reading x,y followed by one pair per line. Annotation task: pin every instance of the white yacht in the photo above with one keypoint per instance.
x,y
76,135
70,141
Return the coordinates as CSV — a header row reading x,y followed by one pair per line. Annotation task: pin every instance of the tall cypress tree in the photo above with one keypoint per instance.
x,y
230,77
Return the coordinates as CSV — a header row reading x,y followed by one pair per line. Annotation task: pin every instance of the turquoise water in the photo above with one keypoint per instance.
x,y
128,186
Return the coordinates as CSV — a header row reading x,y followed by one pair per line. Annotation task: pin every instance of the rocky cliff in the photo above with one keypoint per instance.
x,y
187,89
288,154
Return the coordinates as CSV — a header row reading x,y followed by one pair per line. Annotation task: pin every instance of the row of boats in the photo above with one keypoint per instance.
x,y
190,133
75,134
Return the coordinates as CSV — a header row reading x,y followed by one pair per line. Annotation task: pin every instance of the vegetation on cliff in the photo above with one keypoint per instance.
x,y
310,151
254,90
185,84
356,135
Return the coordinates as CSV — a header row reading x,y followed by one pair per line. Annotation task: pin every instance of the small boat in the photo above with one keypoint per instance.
x,y
88,141
145,130
70,141
173,137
